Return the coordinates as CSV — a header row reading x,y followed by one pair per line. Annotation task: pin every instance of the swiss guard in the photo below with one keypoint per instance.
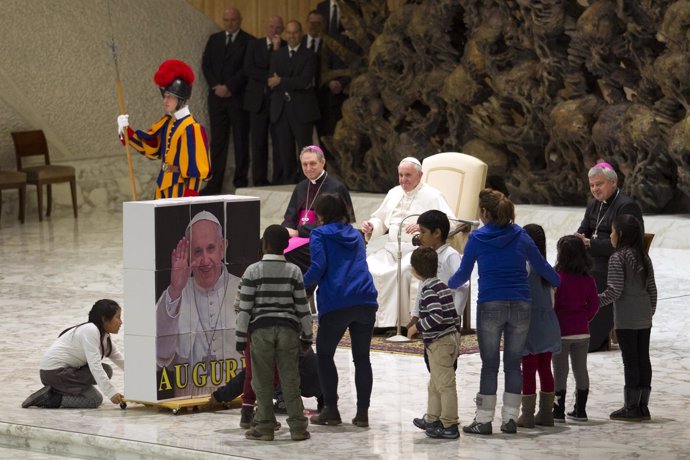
x,y
177,140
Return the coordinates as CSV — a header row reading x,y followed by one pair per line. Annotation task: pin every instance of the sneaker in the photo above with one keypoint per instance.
x,y
441,432
478,428
328,416
38,398
422,424
579,416
300,436
255,435
509,427
246,417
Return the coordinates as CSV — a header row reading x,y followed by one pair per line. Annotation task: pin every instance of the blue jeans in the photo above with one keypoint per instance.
x,y
359,320
510,318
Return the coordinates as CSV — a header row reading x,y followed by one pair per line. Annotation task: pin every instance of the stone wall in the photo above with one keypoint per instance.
x,y
57,74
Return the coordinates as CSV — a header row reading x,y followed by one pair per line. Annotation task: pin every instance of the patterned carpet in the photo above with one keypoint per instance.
x,y
468,344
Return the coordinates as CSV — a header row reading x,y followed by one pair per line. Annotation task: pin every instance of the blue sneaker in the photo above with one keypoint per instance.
x,y
440,432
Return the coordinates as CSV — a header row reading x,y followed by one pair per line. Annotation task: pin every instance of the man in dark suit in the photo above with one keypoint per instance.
x,y
222,64
330,84
330,11
294,107
257,94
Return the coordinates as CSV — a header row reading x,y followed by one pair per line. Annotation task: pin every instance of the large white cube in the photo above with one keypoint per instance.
x,y
195,249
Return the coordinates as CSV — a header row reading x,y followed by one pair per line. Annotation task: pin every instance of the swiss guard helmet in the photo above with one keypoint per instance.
x,y
175,77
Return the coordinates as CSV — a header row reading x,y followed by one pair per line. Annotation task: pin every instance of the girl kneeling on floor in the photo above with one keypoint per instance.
x,y
73,364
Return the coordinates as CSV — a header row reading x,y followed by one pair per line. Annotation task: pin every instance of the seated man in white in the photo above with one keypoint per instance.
x,y
195,314
410,197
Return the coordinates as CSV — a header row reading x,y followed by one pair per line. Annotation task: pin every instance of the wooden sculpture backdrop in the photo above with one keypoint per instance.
x,y
538,89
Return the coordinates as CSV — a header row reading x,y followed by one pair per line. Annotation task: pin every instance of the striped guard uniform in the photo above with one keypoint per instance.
x,y
182,144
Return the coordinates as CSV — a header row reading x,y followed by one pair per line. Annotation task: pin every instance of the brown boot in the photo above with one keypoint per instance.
x,y
545,415
329,415
526,419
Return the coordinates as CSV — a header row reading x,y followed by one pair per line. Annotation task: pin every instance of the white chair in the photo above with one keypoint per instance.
x,y
460,178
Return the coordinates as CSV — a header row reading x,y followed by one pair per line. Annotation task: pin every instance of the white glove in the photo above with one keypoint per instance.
x,y
122,124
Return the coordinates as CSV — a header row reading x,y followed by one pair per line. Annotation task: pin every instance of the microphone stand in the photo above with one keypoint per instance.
x,y
398,337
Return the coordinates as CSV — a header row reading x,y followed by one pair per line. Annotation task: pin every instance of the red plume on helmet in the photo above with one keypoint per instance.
x,y
175,77
171,69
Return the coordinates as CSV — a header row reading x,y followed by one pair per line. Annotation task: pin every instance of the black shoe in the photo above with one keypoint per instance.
x,y
579,412
644,403
422,424
279,407
40,398
509,427
361,418
478,428
440,432
630,412
246,417
329,415
559,407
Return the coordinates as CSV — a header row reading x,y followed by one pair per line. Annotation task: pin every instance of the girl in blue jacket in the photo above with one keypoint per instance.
x,y
501,249
346,299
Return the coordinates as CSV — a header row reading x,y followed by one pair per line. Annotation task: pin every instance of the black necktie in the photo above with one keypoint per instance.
x,y
270,47
227,38
292,53
311,44
333,24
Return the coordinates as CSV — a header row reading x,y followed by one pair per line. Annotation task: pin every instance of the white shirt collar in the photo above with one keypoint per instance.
x,y
183,112
414,190
273,257
317,179
295,49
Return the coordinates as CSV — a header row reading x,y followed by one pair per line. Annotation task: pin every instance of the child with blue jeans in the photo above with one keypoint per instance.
x,y
501,249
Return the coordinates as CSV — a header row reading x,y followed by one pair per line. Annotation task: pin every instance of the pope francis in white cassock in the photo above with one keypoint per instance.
x,y
410,197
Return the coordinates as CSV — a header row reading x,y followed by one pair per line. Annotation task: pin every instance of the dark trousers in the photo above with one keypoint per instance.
x,y
634,345
260,129
292,136
223,115
72,380
359,320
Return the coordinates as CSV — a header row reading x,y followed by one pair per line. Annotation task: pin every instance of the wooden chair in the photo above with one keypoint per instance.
x,y
460,178
33,143
14,179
